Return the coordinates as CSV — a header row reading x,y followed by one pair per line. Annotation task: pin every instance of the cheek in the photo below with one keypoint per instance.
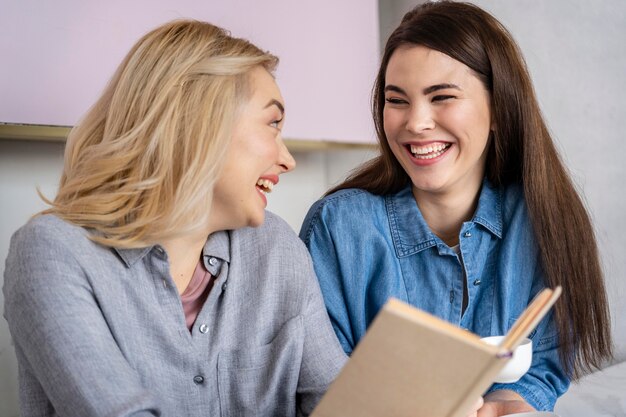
x,y
391,123
475,123
259,144
267,149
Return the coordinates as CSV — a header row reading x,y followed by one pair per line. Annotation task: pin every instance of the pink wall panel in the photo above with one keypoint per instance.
x,y
56,56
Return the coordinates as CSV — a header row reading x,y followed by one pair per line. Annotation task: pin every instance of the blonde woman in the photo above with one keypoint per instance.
x,y
143,290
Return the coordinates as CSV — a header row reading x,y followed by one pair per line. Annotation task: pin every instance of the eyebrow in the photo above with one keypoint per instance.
x,y
274,102
427,90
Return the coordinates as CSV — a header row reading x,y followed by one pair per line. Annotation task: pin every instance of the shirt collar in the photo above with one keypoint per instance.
x,y
131,256
217,246
409,230
489,210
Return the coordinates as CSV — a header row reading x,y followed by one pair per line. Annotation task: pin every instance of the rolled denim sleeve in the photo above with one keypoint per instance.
x,y
546,380
61,337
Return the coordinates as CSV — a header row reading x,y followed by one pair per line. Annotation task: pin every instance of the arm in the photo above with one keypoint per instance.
x,y
328,269
546,380
503,402
65,349
322,357
524,277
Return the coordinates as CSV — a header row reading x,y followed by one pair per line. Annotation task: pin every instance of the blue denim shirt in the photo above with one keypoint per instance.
x,y
367,248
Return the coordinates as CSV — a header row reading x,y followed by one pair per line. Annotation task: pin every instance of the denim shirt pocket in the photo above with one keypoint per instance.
x,y
545,340
262,380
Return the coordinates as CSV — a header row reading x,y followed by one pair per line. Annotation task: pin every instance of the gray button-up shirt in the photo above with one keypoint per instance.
x,y
101,331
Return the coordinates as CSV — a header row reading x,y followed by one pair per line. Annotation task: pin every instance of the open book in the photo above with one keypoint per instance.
x,y
410,363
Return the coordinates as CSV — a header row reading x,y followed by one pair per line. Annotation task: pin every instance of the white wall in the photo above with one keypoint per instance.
x,y
576,54
23,166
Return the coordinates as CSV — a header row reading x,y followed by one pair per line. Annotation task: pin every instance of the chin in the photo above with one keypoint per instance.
x,y
431,186
257,220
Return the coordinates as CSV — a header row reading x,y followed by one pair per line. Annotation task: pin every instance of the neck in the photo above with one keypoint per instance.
x,y
183,254
445,213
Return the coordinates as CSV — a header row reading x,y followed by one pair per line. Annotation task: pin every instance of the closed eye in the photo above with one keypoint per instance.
x,y
394,100
442,98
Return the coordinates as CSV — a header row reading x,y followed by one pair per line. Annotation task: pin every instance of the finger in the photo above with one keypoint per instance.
x,y
477,405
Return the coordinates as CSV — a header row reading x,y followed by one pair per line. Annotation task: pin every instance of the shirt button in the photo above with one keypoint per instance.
x,y
477,282
204,328
468,234
224,286
212,261
198,379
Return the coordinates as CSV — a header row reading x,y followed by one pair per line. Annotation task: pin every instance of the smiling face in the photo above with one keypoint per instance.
x,y
255,158
437,120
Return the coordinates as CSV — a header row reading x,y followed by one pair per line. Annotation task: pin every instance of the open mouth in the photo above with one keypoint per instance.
x,y
430,151
264,185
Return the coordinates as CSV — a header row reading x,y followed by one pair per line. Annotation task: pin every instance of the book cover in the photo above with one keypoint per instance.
x,y
410,363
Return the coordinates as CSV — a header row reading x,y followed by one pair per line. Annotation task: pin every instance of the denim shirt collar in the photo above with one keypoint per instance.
x,y
217,246
409,230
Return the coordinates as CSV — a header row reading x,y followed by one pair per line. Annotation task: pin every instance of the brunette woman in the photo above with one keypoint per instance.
x,y
468,210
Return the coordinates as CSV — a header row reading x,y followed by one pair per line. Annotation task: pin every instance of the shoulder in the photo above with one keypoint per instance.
x,y
517,225
276,266
514,208
45,258
344,209
47,233
48,247
513,195
347,200
274,236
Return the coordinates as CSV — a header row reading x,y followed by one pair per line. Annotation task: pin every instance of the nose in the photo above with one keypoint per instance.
x,y
419,119
285,160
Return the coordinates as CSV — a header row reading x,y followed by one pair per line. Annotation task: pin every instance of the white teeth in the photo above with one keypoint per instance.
x,y
266,185
429,151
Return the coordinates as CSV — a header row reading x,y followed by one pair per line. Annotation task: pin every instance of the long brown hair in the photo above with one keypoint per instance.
x,y
521,151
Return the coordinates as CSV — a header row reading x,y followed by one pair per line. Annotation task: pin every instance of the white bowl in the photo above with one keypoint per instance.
x,y
518,365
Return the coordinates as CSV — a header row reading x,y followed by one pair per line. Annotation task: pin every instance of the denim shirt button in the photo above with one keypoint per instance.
x,y
212,261
198,379
204,328
468,234
477,282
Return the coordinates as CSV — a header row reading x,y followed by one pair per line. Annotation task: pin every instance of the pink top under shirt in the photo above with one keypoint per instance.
x,y
196,293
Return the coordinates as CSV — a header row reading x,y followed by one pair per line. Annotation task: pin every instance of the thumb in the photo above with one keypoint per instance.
x,y
477,405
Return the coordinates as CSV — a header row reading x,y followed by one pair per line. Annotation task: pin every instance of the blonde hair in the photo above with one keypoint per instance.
x,y
141,165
